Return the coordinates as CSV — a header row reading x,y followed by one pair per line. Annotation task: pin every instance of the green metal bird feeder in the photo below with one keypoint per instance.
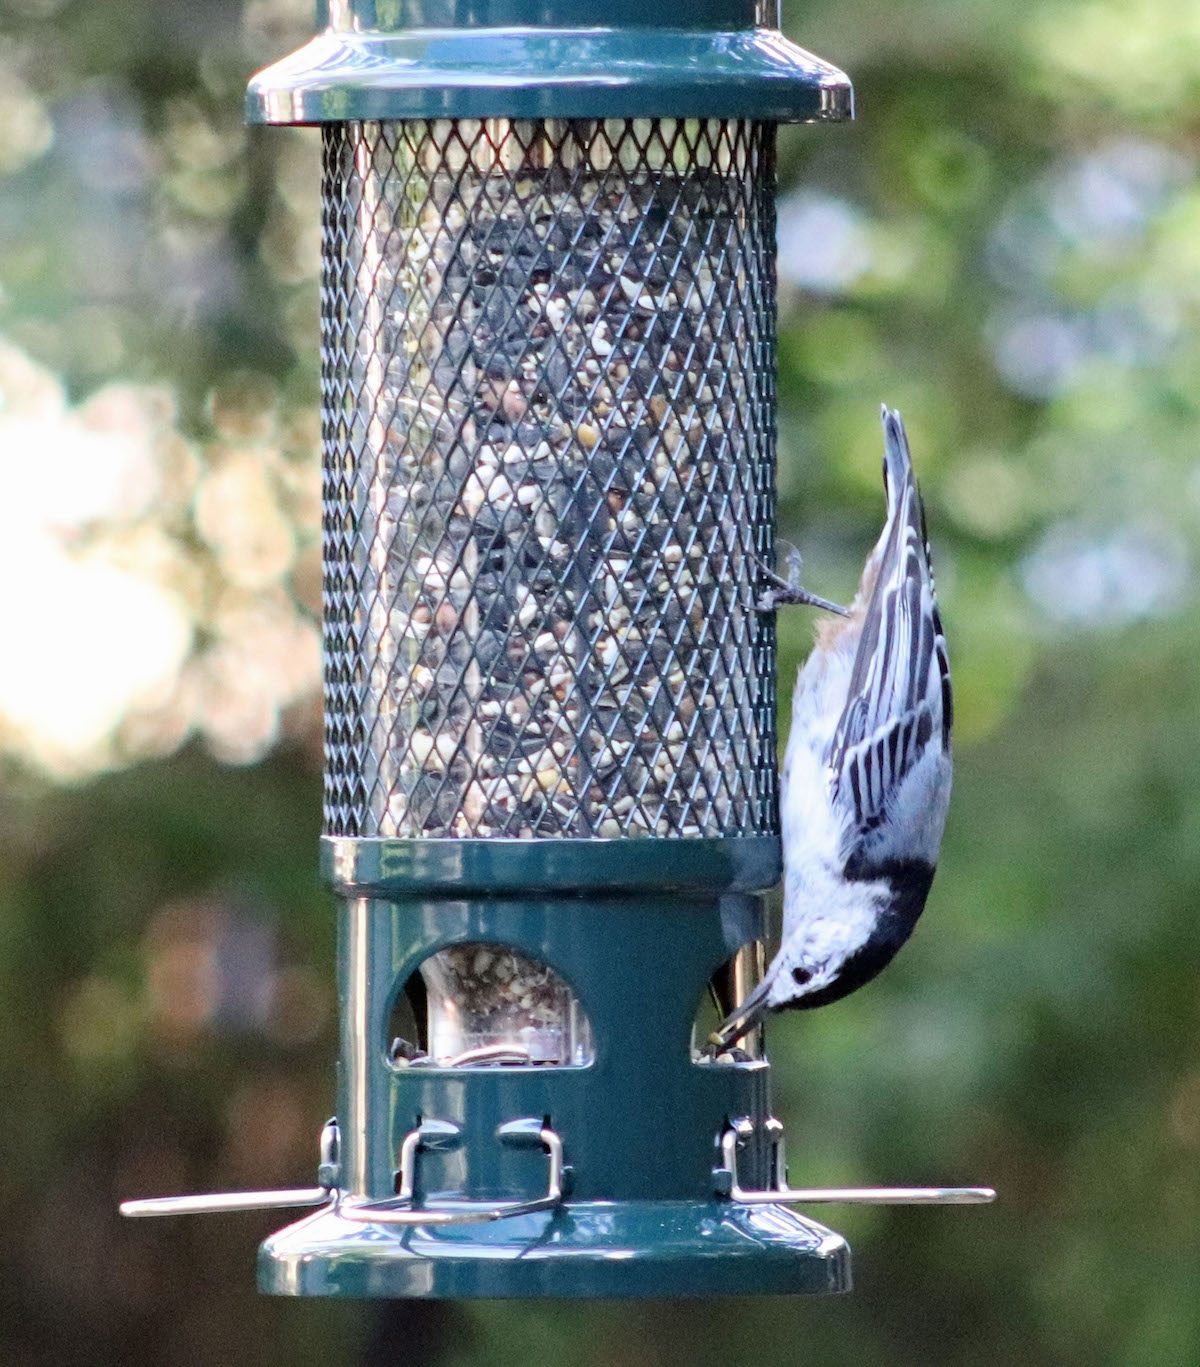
x,y
548,324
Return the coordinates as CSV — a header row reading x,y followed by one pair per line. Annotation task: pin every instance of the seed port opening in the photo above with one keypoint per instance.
x,y
731,984
484,1005
408,1023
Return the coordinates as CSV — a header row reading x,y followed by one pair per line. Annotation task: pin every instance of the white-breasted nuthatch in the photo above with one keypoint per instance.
x,y
866,777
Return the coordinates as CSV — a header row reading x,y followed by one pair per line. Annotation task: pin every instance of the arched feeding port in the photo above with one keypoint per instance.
x,y
548,327
487,1005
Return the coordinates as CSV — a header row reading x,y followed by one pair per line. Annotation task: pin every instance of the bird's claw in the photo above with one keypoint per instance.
x,y
786,594
769,574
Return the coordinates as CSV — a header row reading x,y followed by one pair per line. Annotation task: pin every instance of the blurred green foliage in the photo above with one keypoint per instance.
x,y
1006,247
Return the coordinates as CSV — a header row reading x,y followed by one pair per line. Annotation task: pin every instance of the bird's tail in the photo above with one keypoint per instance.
x,y
898,478
903,512
910,543
904,526
745,1018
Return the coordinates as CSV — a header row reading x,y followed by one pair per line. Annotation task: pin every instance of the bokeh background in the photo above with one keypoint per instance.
x,y
1006,246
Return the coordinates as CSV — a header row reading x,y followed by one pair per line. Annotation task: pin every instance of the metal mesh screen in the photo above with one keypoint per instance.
x,y
548,386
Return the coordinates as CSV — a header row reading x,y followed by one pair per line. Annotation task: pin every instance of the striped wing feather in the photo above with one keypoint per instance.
x,y
898,701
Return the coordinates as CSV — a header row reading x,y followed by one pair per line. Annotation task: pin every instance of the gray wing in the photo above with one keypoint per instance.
x,y
899,702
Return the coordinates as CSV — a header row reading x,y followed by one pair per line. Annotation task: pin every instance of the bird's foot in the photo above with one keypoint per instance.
x,y
784,593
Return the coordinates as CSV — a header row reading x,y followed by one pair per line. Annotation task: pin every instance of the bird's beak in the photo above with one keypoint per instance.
x,y
744,1019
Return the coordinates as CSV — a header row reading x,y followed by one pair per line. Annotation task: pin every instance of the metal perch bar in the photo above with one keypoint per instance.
x,y
781,1194
226,1201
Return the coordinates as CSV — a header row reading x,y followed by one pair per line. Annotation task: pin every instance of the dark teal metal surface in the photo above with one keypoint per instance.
x,y
364,866
533,59
635,1248
640,1124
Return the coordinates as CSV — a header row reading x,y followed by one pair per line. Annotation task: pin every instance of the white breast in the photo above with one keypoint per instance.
x,y
825,918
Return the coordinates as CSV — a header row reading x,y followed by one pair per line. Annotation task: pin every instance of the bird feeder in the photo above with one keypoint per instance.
x,y
548,378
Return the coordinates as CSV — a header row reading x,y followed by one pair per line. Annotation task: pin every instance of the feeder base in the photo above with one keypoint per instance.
x,y
596,1249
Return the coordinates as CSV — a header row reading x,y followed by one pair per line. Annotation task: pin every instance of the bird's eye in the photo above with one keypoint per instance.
x,y
802,975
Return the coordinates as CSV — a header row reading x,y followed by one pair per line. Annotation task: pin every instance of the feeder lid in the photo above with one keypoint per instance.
x,y
562,59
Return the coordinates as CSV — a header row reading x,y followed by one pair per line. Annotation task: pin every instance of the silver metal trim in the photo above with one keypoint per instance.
x,y
441,1134
226,1200
250,1200
486,1055
780,1193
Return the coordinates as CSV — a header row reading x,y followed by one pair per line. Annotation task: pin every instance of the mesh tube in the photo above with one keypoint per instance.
x,y
548,391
